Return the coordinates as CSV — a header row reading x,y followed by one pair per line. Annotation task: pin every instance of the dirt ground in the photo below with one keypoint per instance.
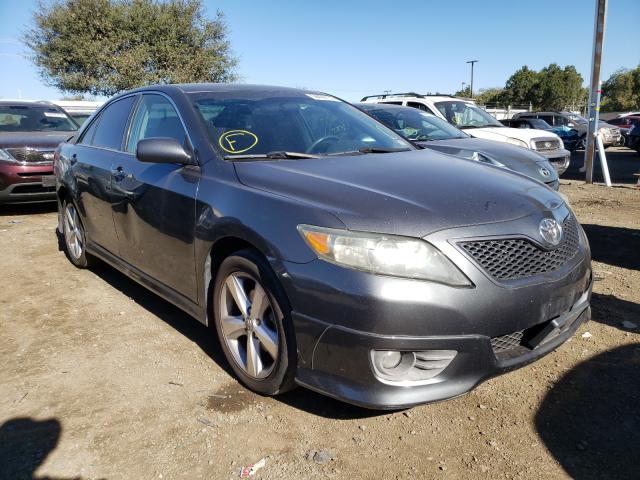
x,y
101,379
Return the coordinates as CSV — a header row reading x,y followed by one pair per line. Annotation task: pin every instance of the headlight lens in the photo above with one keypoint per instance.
x,y
383,254
517,142
4,155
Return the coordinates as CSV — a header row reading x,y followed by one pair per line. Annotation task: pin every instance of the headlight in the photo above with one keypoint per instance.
x,y
383,254
518,143
4,155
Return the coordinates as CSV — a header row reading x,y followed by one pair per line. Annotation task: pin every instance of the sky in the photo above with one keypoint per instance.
x,y
359,47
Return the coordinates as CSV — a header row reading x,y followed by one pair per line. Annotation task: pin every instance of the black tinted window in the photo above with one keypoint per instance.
x,y
87,136
420,106
113,121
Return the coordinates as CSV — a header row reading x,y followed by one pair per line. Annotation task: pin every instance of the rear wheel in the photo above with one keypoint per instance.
x,y
74,236
253,323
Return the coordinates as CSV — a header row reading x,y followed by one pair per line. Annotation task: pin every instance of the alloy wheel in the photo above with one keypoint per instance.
x,y
248,324
73,234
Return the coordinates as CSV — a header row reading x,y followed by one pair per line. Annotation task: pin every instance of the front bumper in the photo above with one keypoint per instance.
x,y
341,315
24,183
559,158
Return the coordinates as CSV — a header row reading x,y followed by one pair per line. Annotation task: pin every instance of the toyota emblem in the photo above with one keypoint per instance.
x,y
551,231
545,172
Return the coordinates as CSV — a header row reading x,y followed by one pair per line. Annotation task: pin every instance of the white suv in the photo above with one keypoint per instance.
x,y
466,115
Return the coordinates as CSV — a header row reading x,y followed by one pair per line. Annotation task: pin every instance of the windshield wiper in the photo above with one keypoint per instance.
x,y
271,156
382,150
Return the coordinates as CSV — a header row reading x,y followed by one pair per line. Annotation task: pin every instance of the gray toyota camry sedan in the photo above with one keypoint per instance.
x,y
322,248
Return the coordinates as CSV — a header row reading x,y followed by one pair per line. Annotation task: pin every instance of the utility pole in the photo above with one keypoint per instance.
x,y
463,84
471,87
594,89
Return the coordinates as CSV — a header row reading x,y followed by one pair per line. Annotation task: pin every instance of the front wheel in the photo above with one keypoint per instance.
x,y
75,240
253,323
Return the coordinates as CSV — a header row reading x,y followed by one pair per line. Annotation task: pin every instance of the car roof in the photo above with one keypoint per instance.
x,y
27,103
223,88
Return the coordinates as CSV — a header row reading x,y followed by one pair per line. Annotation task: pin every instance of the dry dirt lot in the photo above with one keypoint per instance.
x,y
101,379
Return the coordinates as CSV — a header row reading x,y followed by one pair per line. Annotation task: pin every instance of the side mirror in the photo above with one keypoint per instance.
x,y
162,150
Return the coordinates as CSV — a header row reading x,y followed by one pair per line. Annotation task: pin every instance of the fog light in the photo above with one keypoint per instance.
x,y
410,368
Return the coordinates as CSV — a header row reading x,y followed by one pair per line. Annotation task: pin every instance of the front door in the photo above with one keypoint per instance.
x,y
154,203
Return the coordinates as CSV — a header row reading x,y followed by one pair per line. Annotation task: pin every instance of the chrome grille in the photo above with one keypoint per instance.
x,y
515,258
545,145
31,155
507,342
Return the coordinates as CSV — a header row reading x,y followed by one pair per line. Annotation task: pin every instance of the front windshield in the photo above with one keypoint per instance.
x,y
34,118
304,123
466,115
541,124
577,118
416,125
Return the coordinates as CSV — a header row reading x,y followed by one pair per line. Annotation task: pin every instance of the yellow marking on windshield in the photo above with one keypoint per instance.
x,y
237,141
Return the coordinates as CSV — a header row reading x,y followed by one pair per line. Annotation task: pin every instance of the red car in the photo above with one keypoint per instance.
x,y
29,134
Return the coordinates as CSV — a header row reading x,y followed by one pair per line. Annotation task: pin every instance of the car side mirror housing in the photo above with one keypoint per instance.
x,y
162,150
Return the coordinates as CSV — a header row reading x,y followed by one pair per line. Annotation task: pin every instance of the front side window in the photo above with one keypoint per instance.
x,y
314,124
420,106
34,118
539,124
111,125
466,115
417,125
155,117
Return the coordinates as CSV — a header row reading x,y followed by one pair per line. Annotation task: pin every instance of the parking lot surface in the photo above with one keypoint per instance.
x,y
102,379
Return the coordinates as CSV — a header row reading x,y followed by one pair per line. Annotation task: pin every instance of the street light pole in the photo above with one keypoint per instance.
x,y
471,86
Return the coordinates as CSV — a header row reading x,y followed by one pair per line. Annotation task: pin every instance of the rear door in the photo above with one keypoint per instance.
x,y
154,209
92,160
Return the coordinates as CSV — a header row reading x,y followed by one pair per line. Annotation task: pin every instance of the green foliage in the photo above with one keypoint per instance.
x,y
621,91
465,93
103,47
490,96
552,88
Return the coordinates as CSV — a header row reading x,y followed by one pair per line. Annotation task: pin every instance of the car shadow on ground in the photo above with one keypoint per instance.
x,y
622,162
613,311
590,420
616,246
25,444
205,338
27,209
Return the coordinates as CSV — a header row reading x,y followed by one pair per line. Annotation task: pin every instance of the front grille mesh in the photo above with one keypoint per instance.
x,y
516,258
507,342
30,155
543,145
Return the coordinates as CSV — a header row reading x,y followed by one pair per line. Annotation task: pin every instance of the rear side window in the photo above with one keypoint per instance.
x,y
547,118
155,118
111,125
420,106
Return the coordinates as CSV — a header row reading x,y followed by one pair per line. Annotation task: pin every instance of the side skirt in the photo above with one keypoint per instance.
x,y
196,311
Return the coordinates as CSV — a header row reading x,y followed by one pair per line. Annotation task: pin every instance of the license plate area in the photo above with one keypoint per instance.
x,y
48,180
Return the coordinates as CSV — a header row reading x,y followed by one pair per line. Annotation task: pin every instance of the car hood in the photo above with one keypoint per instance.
x,y
407,193
502,133
33,139
519,159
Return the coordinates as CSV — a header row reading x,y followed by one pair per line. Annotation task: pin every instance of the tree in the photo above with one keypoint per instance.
x,y
621,91
102,47
521,87
491,96
558,88
464,93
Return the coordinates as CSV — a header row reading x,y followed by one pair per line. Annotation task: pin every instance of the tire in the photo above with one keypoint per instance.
x,y
74,237
259,346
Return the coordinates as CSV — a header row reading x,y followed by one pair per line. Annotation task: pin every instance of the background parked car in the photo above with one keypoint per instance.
x,y
633,138
466,115
624,124
79,110
432,132
570,137
29,135
610,134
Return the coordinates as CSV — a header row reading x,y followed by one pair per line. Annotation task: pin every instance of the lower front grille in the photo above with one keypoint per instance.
x,y
507,342
31,155
516,258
